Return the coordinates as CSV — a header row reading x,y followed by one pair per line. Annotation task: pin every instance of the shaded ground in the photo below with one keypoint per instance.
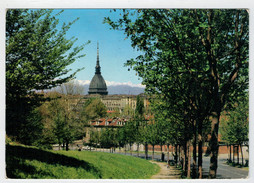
x,y
16,155
166,172
25,162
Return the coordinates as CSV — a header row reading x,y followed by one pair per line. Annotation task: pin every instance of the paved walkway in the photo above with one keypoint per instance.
x,y
166,173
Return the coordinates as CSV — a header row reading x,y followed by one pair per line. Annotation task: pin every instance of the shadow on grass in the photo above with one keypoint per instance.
x,y
15,155
15,165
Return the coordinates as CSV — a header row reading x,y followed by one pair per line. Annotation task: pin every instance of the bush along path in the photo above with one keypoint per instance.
x,y
166,172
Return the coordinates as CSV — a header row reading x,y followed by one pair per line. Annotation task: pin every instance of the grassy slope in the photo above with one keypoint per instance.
x,y
28,162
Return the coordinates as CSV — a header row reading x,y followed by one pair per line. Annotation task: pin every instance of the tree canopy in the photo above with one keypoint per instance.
x,y
235,124
194,58
94,108
37,56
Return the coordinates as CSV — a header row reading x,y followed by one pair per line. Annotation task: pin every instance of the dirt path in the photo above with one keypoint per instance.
x,y
166,173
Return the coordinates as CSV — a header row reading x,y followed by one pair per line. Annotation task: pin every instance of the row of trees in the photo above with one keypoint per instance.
x,y
175,131
235,128
134,131
196,61
61,119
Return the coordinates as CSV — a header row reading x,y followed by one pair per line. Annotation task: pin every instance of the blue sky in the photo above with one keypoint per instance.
x,y
114,49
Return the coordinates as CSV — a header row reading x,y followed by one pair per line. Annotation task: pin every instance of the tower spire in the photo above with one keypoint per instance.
x,y
97,67
98,84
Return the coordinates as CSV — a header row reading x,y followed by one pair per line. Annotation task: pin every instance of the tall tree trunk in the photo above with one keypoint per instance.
x,y
238,159
200,158
130,149
162,156
214,145
194,144
67,145
146,150
153,153
179,154
176,155
185,156
233,153
189,160
230,153
200,149
173,158
242,153
138,149
168,153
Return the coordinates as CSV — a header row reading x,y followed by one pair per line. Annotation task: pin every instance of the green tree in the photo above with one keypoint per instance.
x,y
139,120
129,132
153,137
95,138
235,126
108,138
32,129
139,111
210,47
60,120
128,111
37,56
120,137
94,108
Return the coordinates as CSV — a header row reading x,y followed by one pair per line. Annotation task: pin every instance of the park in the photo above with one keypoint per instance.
x,y
191,120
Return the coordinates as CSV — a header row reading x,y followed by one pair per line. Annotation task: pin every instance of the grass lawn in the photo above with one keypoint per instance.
x,y
29,162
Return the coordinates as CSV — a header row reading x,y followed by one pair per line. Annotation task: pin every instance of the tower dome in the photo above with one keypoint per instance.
x,y
98,84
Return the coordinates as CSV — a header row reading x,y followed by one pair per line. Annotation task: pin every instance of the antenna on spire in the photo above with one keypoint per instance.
x,y
97,68
97,48
98,54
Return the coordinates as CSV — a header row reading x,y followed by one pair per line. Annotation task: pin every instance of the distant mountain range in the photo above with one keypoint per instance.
x,y
114,88
121,89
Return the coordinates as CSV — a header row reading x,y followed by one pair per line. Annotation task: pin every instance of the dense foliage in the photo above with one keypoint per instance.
x,y
94,108
37,56
235,124
196,60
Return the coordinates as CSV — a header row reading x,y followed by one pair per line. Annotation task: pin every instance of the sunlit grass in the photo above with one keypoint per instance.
x,y
27,162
